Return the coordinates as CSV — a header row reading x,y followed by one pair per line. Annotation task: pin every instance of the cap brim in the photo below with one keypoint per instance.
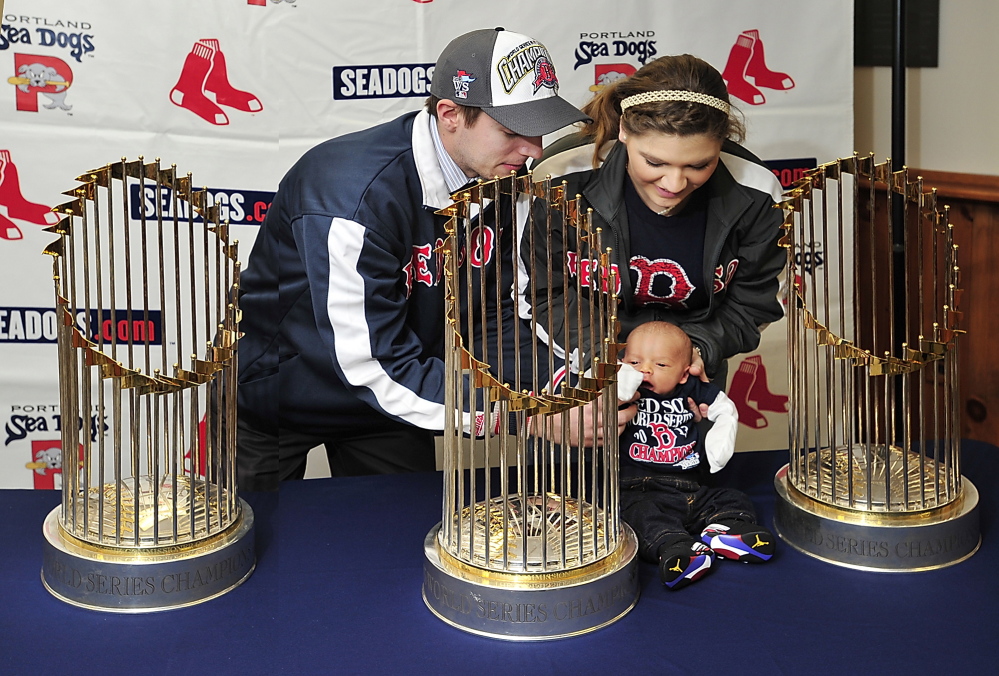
x,y
537,118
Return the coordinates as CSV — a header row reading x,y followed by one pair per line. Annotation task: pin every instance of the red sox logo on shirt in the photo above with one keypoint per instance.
x,y
425,266
649,274
483,241
666,422
665,449
427,263
724,275
585,270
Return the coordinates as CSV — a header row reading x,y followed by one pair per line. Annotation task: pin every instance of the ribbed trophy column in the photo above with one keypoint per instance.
x,y
531,545
146,287
874,479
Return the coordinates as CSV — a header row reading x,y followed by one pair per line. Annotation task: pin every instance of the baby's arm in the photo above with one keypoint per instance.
x,y
719,443
628,380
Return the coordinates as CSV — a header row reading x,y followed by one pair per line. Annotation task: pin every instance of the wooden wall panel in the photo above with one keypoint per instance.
x,y
974,211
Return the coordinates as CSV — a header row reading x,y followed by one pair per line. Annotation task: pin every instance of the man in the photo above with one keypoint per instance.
x,y
343,299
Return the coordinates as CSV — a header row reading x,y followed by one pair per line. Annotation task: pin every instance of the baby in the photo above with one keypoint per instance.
x,y
682,523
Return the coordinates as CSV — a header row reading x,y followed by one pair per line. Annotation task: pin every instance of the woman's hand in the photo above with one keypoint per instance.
x,y
697,366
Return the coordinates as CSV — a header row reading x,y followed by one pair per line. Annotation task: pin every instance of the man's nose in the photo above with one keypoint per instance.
x,y
531,147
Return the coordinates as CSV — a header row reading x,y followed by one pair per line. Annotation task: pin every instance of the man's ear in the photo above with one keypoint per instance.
x,y
448,115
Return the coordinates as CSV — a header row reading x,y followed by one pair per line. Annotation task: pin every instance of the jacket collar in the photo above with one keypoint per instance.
x,y
435,192
606,194
729,199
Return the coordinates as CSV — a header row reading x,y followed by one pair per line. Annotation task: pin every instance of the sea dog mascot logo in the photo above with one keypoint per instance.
x,y
41,75
605,74
46,463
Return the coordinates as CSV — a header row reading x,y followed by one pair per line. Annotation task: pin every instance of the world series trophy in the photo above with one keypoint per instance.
x,y
145,285
531,545
874,478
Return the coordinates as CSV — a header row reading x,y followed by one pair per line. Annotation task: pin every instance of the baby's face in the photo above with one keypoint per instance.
x,y
662,363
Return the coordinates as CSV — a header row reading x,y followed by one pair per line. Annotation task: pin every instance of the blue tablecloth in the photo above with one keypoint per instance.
x,y
337,590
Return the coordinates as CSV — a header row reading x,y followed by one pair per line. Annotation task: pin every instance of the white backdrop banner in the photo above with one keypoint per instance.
x,y
234,91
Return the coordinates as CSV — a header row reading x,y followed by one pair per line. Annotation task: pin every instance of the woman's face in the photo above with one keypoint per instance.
x,y
667,169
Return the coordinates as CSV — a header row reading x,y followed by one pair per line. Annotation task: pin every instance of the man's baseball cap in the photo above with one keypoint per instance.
x,y
509,76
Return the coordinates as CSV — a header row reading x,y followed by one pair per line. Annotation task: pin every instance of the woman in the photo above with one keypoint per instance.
x,y
688,212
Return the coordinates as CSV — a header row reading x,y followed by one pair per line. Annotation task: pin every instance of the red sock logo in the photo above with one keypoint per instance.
x,y
8,230
196,465
747,61
205,73
17,207
750,386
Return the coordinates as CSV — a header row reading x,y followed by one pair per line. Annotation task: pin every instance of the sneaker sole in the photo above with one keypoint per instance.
x,y
734,548
695,570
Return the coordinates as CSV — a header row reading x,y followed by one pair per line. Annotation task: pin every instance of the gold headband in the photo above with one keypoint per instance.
x,y
674,95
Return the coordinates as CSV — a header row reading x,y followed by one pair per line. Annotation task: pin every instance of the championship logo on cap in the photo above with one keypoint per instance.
x,y
544,75
461,82
498,62
529,58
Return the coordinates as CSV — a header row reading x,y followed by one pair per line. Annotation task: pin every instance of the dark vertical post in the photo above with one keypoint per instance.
x,y
897,202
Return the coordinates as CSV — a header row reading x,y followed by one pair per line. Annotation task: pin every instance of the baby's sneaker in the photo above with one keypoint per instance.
x,y
684,562
740,541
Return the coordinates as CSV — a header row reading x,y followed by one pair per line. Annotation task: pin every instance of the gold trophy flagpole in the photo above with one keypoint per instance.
x,y
873,481
530,545
145,524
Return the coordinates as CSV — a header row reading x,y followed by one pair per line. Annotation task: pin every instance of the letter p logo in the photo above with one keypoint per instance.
x,y
36,74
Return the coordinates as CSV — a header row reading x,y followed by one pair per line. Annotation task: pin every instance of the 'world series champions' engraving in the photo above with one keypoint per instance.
x,y
494,610
176,580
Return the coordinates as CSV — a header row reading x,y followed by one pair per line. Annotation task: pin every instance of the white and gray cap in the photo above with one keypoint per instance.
x,y
509,76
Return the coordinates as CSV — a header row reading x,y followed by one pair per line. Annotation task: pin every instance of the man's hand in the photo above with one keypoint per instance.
x,y
592,432
700,412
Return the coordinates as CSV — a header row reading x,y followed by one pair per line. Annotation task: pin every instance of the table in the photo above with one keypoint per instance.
x,y
337,590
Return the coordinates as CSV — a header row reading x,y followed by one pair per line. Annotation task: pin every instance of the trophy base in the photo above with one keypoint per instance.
x,y
531,606
896,542
143,580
